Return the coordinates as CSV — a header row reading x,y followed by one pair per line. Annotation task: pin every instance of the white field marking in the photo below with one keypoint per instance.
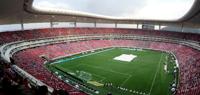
x,y
126,80
96,52
103,78
85,55
120,73
155,74
65,68
129,76
71,67
105,69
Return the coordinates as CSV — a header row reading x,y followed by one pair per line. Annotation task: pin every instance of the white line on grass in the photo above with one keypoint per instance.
x,y
155,74
105,69
125,80
75,66
81,56
95,52
119,72
102,78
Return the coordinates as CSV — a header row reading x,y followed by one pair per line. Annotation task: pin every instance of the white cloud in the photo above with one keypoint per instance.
x,y
135,9
164,9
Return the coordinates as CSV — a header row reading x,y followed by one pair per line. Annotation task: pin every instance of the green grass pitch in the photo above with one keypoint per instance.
x,y
144,75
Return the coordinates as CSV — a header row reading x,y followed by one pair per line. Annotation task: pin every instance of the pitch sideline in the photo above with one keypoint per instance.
x,y
155,75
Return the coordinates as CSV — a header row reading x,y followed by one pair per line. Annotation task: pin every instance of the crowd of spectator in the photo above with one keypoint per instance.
x,y
6,37
189,60
30,59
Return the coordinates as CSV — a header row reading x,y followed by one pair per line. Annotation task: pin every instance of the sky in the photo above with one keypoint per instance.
x,y
134,9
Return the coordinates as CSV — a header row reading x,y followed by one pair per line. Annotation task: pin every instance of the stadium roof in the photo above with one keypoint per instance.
x,y
17,11
166,10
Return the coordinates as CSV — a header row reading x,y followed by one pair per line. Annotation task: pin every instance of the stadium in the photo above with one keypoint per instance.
x,y
104,47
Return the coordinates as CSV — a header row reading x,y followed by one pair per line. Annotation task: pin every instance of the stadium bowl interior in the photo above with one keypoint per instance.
x,y
32,40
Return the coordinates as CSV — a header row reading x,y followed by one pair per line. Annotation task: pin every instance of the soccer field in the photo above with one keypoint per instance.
x,y
144,74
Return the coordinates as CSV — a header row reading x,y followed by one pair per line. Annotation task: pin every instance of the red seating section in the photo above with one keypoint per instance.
x,y
29,60
6,37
